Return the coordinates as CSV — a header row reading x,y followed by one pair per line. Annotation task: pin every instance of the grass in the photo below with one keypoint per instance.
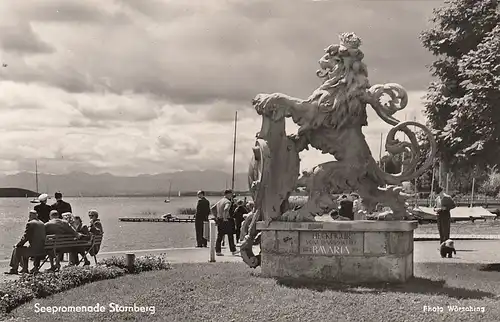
x,y
14,293
489,227
234,292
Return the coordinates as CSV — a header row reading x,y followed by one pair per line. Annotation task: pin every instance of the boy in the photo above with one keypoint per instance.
x,y
447,247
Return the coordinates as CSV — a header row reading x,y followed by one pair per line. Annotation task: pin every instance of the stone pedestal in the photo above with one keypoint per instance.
x,y
344,251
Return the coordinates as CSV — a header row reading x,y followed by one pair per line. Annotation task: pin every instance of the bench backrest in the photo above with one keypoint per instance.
x,y
63,241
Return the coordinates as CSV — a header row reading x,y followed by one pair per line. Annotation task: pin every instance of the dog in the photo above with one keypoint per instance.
x,y
447,248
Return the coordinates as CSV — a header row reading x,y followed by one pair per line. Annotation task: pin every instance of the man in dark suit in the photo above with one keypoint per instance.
x,y
57,226
61,206
444,204
35,235
43,210
201,216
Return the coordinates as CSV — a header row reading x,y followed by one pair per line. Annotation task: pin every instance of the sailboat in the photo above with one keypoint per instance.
x,y
36,178
169,192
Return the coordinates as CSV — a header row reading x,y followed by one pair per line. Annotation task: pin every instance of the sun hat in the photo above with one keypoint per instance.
x,y
43,197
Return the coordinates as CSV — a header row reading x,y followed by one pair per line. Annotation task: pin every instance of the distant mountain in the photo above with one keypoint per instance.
x,y
84,184
16,193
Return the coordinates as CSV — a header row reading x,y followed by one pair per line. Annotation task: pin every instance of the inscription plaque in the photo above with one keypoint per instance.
x,y
329,243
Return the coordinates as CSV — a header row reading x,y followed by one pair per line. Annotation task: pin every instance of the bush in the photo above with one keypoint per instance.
x,y
28,287
141,264
491,186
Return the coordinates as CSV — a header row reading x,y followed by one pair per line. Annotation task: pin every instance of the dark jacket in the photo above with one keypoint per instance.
x,y
239,212
59,227
447,204
43,211
202,209
96,227
62,206
84,231
35,235
346,208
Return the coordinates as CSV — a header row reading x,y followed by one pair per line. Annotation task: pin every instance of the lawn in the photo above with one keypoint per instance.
x,y
489,227
233,292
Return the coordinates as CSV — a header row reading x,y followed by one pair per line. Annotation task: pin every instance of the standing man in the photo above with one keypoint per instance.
x,y
201,216
225,224
444,203
238,218
43,210
35,235
61,206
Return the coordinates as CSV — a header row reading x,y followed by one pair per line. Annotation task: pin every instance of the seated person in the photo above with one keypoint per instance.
x,y
95,229
346,207
35,235
68,216
84,231
57,226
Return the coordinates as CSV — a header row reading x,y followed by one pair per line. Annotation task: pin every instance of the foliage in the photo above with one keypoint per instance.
x,y
186,211
462,105
141,264
17,292
491,186
28,287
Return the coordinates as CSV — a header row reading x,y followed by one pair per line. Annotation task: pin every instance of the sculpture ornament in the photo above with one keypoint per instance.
x,y
331,120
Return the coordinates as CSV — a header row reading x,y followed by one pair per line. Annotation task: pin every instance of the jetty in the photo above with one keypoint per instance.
x,y
156,219
457,214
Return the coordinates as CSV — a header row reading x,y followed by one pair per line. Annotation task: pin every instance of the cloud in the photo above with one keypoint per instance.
x,y
21,39
132,87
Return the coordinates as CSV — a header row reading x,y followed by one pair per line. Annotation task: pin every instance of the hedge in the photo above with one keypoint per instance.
x,y
17,292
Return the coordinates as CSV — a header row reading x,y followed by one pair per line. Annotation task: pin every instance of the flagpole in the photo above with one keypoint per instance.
x,y
380,149
403,157
416,182
234,148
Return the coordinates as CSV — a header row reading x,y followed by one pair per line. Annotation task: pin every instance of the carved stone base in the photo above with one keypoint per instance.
x,y
348,252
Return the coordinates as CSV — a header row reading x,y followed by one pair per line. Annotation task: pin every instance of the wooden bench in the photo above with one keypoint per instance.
x,y
55,244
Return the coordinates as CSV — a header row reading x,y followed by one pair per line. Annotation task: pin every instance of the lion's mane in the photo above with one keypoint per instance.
x,y
340,97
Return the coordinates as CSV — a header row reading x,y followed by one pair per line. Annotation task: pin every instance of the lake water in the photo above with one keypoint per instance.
x,y
118,235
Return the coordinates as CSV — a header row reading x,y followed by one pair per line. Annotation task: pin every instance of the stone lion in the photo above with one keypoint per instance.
x,y
331,120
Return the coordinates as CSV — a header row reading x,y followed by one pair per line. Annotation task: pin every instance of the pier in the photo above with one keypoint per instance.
x,y
157,219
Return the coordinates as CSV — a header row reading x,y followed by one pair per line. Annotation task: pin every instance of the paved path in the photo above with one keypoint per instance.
x,y
468,251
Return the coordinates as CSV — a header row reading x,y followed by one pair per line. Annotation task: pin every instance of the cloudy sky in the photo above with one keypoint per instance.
x,y
149,86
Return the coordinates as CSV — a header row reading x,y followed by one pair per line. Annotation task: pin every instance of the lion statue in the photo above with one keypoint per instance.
x,y
331,120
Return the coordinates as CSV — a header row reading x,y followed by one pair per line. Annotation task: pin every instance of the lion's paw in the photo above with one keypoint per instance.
x,y
297,216
266,104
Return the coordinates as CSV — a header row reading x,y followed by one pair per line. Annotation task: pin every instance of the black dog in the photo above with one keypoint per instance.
x,y
447,248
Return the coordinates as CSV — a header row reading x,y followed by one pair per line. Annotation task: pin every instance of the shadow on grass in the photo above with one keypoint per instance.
x,y
415,285
495,267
